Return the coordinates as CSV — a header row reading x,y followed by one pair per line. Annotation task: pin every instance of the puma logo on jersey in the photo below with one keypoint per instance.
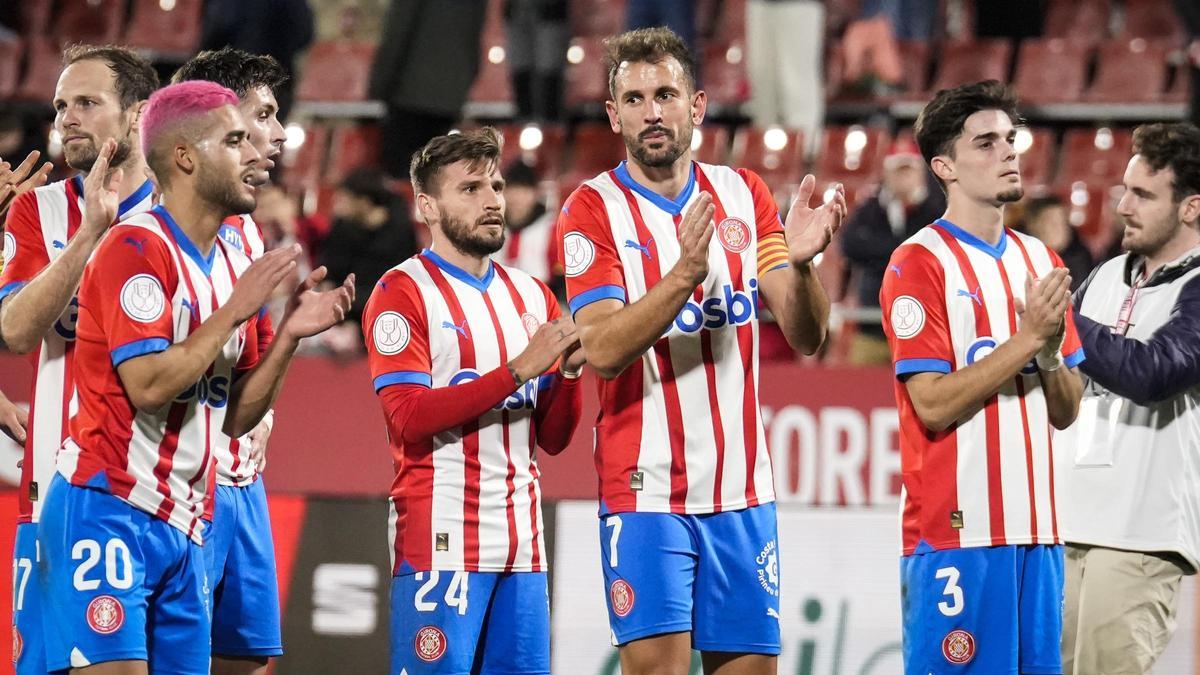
x,y
58,244
645,249
896,269
461,330
972,295
139,244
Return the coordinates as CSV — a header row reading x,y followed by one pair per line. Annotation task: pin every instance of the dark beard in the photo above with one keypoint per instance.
x,y
469,240
87,160
659,158
223,192
1010,196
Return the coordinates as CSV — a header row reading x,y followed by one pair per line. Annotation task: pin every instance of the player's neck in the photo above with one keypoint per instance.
x,y
198,218
667,181
981,219
133,176
1185,240
473,265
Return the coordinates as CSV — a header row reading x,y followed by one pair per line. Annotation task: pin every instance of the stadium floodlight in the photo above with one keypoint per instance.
x,y
54,144
775,139
575,54
531,138
295,137
165,5
1104,138
1024,141
496,54
733,54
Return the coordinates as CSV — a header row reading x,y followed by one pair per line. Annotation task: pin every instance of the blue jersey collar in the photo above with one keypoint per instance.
x,y
965,237
671,206
478,283
127,203
185,244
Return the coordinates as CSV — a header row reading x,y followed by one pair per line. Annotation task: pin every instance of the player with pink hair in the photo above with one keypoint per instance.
x,y
167,362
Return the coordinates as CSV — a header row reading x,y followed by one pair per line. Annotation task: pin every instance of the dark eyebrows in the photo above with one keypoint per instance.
x,y
236,135
988,136
1142,193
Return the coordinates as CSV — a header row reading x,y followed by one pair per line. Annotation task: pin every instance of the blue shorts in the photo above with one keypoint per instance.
x,y
995,610
119,584
29,651
470,622
716,575
239,555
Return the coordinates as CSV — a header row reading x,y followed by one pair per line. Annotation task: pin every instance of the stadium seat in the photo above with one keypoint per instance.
x,y
10,67
1095,156
302,166
35,17
724,72
173,31
43,61
336,71
493,86
710,144
1092,211
544,146
1084,21
962,62
852,154
1037,160
353,146
775,154
89,21
586,77
597,18
1050,71
1152,19
594,149
1129,71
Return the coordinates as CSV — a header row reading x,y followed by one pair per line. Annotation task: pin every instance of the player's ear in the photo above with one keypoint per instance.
x,y
135,122
699,107
184,157
426,207
943,168
614,121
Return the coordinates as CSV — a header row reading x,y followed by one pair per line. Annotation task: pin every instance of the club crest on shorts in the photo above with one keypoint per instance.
x,y
578,254
391,333
18,644
105,614
430,644
143,299
958,646
734,234
531,323
621,594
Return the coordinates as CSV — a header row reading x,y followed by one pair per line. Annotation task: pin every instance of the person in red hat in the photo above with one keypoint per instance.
x,y
904,203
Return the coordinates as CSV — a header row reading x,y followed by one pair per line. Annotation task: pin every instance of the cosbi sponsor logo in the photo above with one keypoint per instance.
x,y
213,391
65,326
525,397
731,307
985,345
768,568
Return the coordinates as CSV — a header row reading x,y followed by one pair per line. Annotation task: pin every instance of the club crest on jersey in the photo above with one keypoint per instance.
x,y
907,317
105,614
734,235
430,644
391,333
531,323
621,594
578,254
10,247
768,568
958,647
143,299
18,644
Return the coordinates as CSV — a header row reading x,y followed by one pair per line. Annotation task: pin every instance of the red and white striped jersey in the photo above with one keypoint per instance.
x,y
468,498
149,287
948,300
679,430
40,224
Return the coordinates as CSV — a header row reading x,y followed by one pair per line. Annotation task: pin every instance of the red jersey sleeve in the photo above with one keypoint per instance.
x,y
914,313
772,248
24,248
127,288
1072,348
395,329
590,261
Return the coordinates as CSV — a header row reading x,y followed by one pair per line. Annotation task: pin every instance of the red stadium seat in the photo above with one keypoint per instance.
x,y
1051,71
1152,19
336,71
1085,21
1129,71
35,17
962,62
1092,211
710,144
353,146
89,21
594,149
302,166
1095,156
493,86
724,73
1037,161
10,67
586,77
778,162
852,154
169,31
597,18
544,151
43,62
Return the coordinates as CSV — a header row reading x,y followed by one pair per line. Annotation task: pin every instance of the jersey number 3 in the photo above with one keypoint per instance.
x,y
955,606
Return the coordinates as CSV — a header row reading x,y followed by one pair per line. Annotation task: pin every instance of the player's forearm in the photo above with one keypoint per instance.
x,y
941,400
558,413
1063,388
616,339
255,392
803,315
27,315
415,413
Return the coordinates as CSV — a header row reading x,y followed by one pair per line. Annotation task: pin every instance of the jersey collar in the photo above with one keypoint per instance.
x,y
965,237
671,206
478,283
185,244
128,203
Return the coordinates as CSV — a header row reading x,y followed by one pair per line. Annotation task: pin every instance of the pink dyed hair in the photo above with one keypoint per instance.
x,y
177,102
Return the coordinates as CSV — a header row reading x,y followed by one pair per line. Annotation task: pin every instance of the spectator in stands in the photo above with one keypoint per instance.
x,y
678,15
371,233
530,223
537,40
784,44
278,28
910,19
905,203
1046,219
427,60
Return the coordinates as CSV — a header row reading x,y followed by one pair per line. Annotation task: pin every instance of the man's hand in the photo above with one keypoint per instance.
x,y
13,420
18,181
695,231
101,196
259,436
255,286
1046,301
548,343
808,231
310,312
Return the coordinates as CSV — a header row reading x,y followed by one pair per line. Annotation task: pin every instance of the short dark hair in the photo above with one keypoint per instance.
x,y
647,45
134,77
233,69
1175,145
1040,204
941,121
478,147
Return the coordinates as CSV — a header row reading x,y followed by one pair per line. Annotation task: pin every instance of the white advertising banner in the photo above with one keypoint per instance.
x,y
839,601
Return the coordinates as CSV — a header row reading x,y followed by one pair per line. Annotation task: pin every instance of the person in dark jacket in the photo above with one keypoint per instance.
x,y
904,204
